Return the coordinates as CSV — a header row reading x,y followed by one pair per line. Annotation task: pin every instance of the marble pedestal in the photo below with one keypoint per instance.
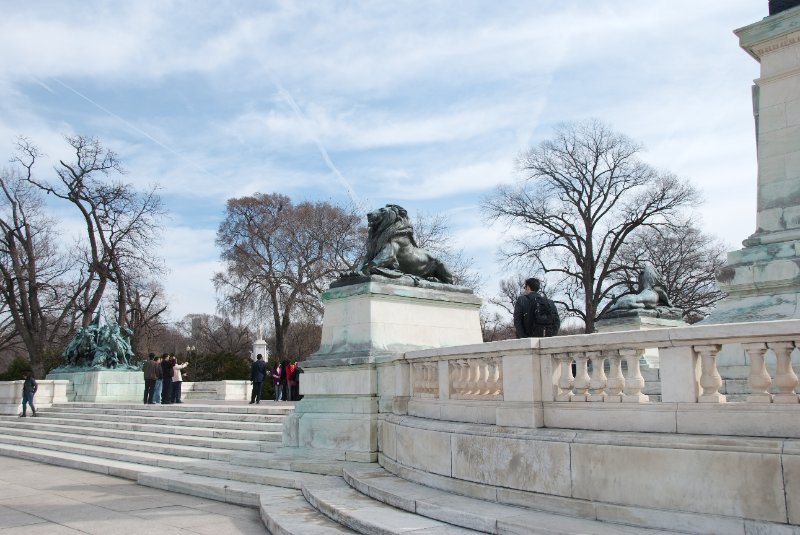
x,y
367,323
763,279
639,321
102,385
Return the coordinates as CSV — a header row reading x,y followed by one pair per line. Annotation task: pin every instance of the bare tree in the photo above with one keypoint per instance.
x,y
583,193
146,313
510,290
121,222
687,260
210,334
433,232
37,292
280,256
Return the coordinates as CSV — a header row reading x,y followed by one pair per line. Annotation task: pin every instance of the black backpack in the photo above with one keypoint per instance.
x,y
541,311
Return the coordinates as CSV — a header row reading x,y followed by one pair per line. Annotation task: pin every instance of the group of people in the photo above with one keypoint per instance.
x,y
163,377
285,379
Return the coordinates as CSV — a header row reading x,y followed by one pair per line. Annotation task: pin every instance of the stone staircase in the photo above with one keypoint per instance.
x,y
228,453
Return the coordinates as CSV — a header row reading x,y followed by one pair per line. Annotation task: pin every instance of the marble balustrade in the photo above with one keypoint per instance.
x,y
565,381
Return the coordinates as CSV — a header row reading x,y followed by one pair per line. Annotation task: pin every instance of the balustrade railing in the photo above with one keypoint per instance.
x,y
476,378
425,379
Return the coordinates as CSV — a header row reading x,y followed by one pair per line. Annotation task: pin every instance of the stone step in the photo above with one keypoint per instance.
x,y
199,394
212,488
167,411
127,470
90,451
273,408
31,424
173,428
472,513
261,476
345,505
8,433
294,463
286,512
165,421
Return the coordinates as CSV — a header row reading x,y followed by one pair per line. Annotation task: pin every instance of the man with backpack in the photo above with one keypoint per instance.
x,y
534,314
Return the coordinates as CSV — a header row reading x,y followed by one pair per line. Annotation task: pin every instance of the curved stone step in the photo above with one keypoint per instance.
x,y
261,476
48,423
472,513
294,463
345,505
28,427
127,470
148,458
150,419
267,408
212,488
289,513
165,448
170,412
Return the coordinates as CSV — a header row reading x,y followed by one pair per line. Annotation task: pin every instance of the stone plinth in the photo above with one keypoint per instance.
x,y
373,321
763,279
639,321
102,385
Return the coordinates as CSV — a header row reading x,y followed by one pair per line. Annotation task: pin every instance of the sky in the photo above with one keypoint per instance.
x,y
423,104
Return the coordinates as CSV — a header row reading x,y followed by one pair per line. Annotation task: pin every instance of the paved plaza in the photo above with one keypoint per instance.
x,y
41,499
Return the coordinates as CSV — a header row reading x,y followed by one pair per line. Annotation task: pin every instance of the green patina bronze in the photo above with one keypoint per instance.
x,y
99,347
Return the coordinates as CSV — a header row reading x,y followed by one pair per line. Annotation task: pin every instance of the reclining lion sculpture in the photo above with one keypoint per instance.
x,y
393,252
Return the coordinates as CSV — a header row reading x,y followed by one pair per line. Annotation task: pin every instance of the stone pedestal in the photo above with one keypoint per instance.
x,y
367,323
763,279
102,385
260,348
639,320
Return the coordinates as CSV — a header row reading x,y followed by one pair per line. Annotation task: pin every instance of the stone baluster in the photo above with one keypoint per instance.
x,y
710,379
760,380
582,378
634,382
475,385
565,380
455,377
463,376
785,378
616,381
486,377
498,376
599,380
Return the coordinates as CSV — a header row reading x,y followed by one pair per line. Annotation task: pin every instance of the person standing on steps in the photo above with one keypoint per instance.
x,y
166,379
258,371
149,369
534,314
177,379
277,372
159,382
29,388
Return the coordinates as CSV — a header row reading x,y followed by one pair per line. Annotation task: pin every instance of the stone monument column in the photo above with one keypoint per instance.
x,y
763,279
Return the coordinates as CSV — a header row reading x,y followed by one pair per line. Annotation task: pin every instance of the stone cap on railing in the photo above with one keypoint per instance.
x,y
762,331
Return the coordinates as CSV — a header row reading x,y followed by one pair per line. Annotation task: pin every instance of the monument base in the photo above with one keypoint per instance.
x,y
102,385
762,281
367,323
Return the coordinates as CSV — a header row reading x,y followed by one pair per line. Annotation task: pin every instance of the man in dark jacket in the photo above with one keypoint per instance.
x,y
534,314
29,388
150,370
258,371
166,379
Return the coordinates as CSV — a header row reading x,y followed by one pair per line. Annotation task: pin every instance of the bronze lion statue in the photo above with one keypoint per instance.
x,y
393,252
